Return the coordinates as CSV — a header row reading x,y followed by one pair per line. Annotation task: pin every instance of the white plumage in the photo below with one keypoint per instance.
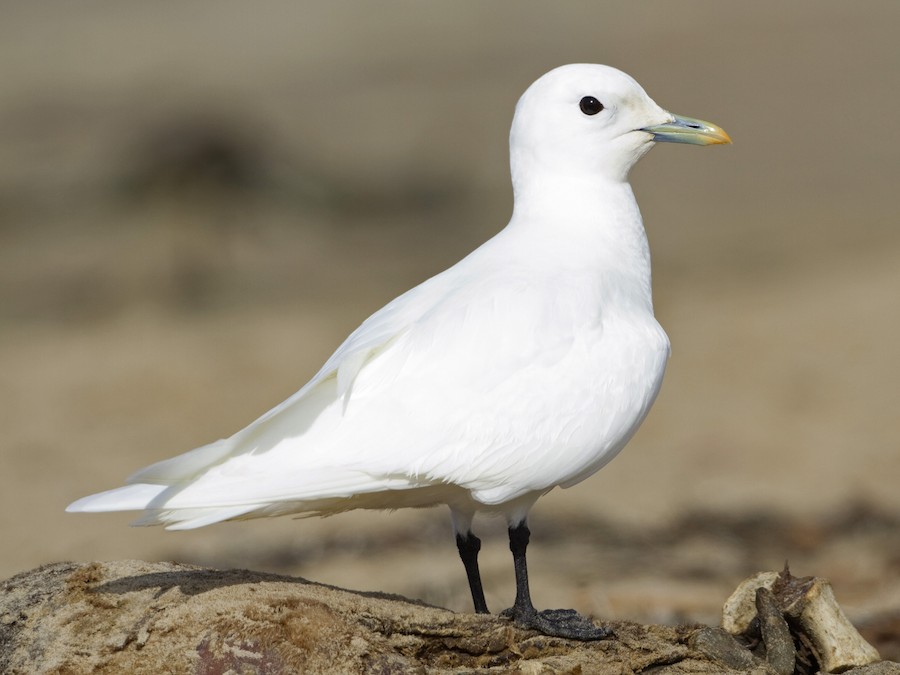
x,y
525,366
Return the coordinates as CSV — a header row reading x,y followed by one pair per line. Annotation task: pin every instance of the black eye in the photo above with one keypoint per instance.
x,y
590,106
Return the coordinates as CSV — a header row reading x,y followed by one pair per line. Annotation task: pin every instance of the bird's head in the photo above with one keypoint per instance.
x,y
592,120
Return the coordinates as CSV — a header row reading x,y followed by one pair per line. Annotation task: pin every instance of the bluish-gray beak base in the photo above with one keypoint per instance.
x,y
688,130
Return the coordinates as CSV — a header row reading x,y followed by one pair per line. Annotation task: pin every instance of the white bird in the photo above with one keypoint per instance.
x,y
527,365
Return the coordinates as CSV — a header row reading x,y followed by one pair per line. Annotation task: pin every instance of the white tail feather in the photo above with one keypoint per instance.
x,y
190,519
185,466
129,498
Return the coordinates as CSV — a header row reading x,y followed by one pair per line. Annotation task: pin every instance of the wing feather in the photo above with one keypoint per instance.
x,y
372,336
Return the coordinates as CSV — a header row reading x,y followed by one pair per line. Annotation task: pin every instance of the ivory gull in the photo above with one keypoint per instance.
x,y
527,365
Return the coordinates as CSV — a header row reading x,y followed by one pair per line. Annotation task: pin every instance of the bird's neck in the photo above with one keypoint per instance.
x,y
589,225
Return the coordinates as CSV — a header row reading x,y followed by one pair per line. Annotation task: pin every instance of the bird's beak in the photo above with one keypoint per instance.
x,y
688,130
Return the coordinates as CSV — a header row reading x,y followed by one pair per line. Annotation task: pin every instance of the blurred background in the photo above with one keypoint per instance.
x,y
199,201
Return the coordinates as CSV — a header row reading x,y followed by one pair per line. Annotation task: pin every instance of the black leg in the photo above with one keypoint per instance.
x,y
566,623
469,546
518,542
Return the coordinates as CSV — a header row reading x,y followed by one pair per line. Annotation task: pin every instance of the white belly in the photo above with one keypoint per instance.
x,y
592,406
553,420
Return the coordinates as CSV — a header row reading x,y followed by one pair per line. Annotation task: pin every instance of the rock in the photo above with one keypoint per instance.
x,y
789,611
836,643
776,635
883,668
139,617
720,646
739,609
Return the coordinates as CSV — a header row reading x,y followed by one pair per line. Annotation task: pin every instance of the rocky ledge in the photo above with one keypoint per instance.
x,y
139,617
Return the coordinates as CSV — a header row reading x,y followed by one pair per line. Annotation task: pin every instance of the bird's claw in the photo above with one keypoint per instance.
x,y
564,623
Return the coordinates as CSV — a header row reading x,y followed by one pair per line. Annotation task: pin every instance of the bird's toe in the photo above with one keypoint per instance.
x,y
564,623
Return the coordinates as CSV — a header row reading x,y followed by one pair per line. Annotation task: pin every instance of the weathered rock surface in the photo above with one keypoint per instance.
x,y
796,618
139,617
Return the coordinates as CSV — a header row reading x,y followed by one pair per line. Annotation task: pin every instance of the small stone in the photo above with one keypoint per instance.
x,y
880,668
719,645
836,643
740,608
776,635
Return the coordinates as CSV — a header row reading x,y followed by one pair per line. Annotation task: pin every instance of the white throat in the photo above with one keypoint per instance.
x,y
591,224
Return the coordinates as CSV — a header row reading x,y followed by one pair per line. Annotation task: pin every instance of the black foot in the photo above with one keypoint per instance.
x,y
564,623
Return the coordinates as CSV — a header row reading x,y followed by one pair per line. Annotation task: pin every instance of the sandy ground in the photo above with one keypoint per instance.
x,y
198,204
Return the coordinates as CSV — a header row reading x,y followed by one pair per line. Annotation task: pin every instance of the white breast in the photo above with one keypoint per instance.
x,y
507,396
